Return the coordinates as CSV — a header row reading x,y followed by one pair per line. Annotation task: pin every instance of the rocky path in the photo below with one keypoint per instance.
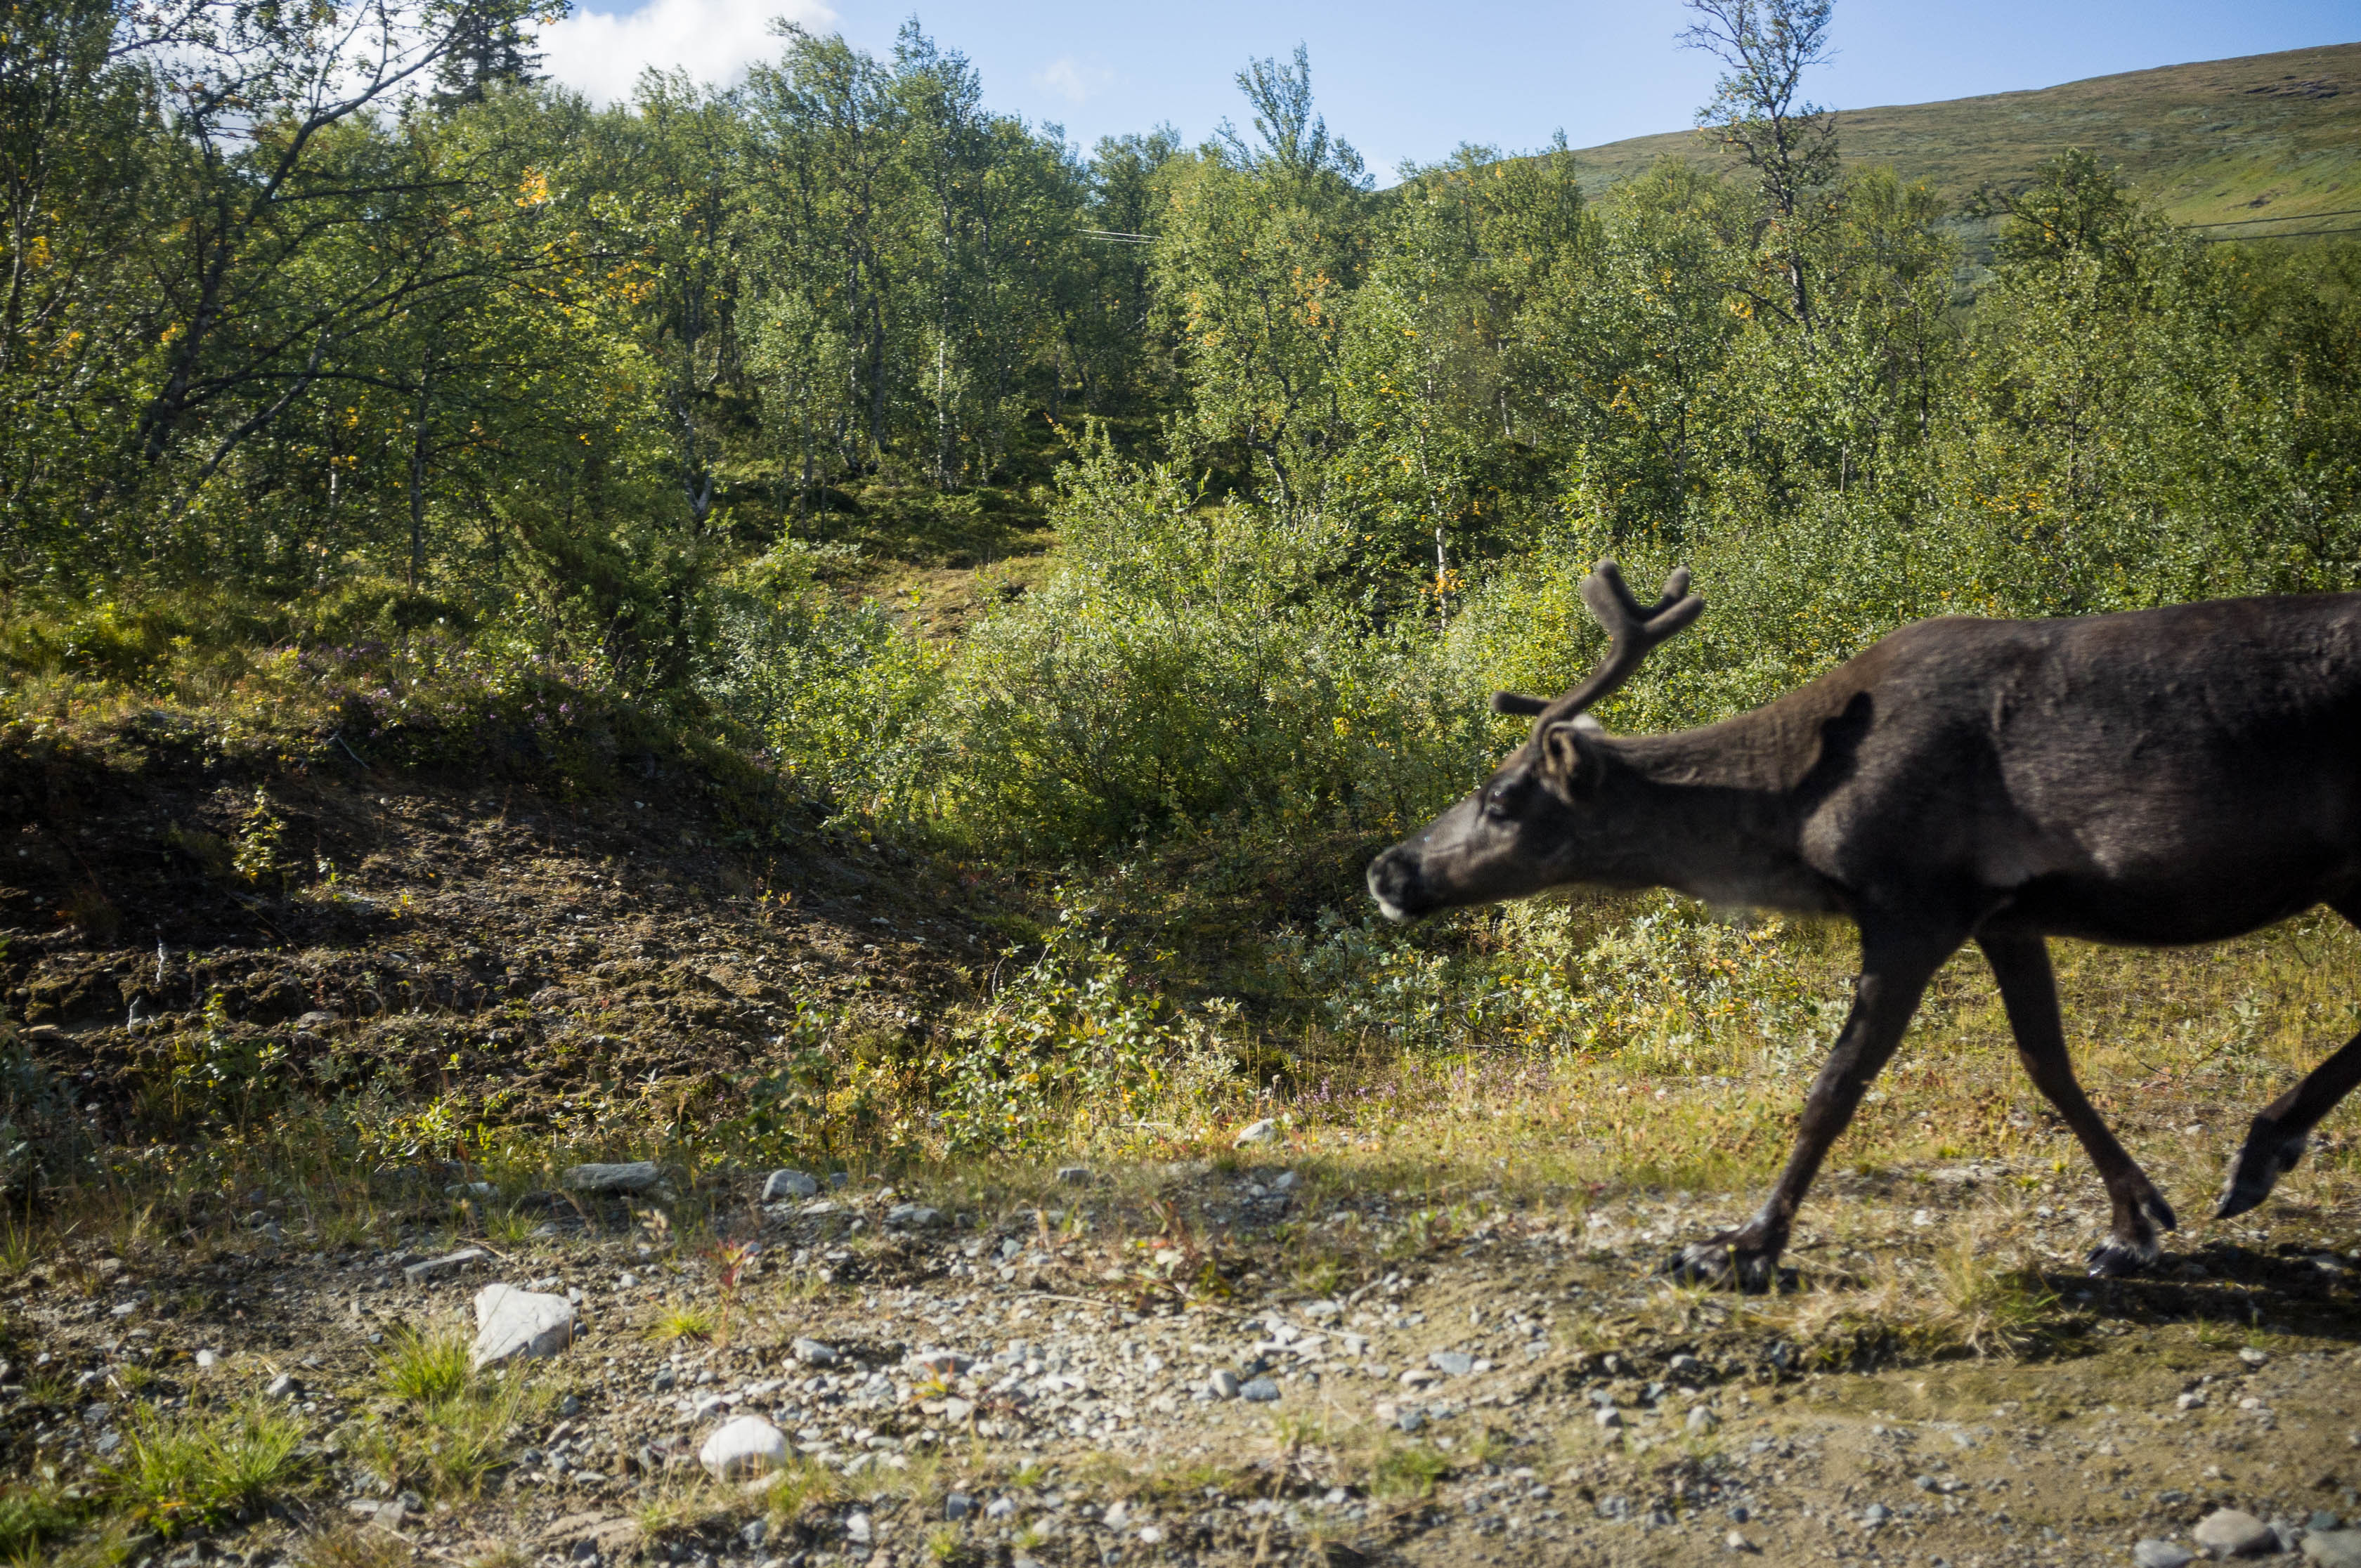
x,y
1263,1364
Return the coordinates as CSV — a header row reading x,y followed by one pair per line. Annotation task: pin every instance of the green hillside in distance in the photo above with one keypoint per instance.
x,y
2264,135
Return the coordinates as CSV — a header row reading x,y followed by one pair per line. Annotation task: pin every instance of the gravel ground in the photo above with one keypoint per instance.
x,y
1048,1384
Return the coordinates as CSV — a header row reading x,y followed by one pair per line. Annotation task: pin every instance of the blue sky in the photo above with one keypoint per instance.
x,y
1403,81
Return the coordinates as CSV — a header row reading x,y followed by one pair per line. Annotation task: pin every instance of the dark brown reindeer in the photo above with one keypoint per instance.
x,y
2153,779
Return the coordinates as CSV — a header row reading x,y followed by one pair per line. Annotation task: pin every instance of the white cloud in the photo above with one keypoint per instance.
x,y
1074,80
713,41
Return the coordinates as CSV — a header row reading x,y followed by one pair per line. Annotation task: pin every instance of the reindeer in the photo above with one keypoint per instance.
x,y
2154,778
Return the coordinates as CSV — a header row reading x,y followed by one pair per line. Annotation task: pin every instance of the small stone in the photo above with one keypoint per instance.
x,y
1688,1368
510,1323
1737,1542
2252,1356
639,1175
1608,1419
450,1263
1074,1175
627,1280
957,1505
812,1353
2192,1400
748,1445
2321,1519
468,1190
1286,1182
1223,1383
1701,1420
1117,1515
1452,1362
1261,1391
785,1184
1876,1514
856,1528
2233,1532
1000,1508
209,1358
913,1216
315,1019
2333,1548
1411,1419
1263,1132
2161,1554
283,1387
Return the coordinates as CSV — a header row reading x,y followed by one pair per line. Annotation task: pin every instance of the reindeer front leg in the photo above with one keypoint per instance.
x,y
1895,967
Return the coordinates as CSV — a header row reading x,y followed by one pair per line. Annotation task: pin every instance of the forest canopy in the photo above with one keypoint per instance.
x,y
335,326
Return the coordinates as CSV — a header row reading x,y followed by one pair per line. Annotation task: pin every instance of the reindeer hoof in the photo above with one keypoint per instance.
x,y
2269,1155
2114,1258
1726,1262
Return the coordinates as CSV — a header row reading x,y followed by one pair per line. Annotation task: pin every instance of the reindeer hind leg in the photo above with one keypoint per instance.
x,y
2276,1137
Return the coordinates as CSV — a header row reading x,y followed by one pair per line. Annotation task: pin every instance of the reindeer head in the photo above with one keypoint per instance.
x,y
1547,817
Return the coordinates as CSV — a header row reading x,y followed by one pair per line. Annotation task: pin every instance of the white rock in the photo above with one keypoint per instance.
x,y
1224,1384
748,1445
812,1353
913,1216
1701,1420
639,1175
510,1323
783,1184
1263,1132
2161,1554
1608,1419
2233,1533
2333,1548
208,1358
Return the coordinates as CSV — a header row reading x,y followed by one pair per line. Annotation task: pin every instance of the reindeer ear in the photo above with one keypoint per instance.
x,y
1570,758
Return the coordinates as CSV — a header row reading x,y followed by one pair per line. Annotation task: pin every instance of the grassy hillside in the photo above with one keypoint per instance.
x,y
2275,135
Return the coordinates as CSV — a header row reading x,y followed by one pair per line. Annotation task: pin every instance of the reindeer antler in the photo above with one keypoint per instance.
x,y
1632,633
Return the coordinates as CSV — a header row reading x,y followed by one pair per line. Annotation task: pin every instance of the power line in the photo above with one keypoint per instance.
x,y
1116,237
2287,218
2299,234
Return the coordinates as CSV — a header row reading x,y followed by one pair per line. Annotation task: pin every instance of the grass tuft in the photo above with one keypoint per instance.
x,y
424,1368
205,1467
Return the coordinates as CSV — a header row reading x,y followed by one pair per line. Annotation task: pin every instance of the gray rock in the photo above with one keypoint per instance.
x,y
315,1019
1701,1420
1286,1181
1688,1368
1000,1508
1262,1132
957,1505
208,1358
639,1175
1261,1391
1223,1383
785,1184
283,1387
2333,1548
1608,1418
442,1268
2161,1554
2233,1532
743,1447
812,1353
2252,1356
1734,1541
512,1323
2323,1519
1452,1362
1074,1175
1876,1514
913,1217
